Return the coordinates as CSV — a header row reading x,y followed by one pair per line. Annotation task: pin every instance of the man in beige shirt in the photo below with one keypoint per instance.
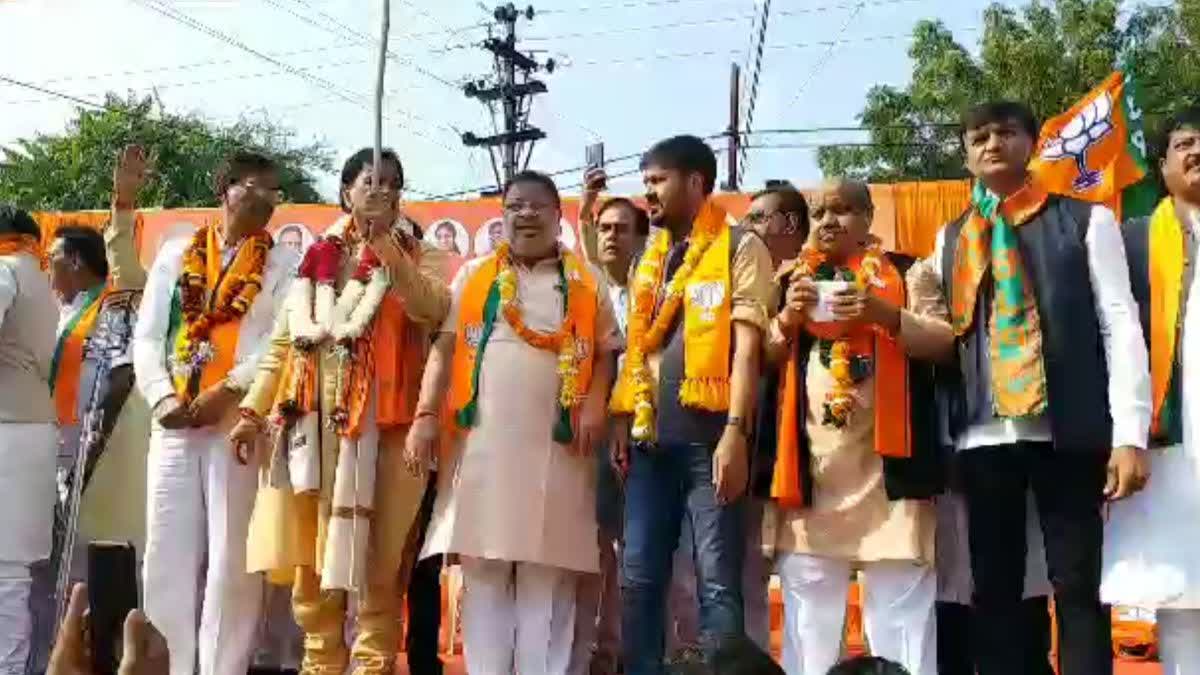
x,y
27,434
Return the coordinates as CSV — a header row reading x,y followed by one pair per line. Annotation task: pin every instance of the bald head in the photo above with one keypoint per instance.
x,y
841,218
854,192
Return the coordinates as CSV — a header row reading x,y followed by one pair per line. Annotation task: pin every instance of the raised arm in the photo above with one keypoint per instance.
x,y
417,278
593,183
129,175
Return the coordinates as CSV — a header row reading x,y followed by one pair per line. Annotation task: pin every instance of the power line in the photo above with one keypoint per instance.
x,y
759,39
820,64
715,21
364,39
731,52
622,5
59,94
292,70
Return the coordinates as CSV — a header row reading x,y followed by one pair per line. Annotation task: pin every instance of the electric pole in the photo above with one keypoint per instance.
x,y
733,133
511,89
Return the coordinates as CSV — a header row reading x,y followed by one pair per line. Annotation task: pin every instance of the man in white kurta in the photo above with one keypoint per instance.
x,y
517,506
199,499
27,437
1151,558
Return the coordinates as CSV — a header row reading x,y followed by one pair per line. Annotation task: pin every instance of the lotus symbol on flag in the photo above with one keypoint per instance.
x,y
1085,130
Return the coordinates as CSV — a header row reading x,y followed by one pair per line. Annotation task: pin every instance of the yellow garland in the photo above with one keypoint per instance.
x,y
645,335
561,341
229,301
839,401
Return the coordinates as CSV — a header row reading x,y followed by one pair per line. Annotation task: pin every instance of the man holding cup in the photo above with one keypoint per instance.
x,y
854,451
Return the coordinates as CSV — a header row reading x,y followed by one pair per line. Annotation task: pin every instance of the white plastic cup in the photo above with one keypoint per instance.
x,y
822,312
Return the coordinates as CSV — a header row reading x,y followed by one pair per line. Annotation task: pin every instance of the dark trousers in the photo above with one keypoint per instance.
x,y
1068,489
954,638
425,600
666,485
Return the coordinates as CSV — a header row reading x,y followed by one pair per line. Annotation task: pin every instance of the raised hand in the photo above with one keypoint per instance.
x,y
129,175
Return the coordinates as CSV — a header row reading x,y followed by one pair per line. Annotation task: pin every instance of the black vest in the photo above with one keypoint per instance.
x,y
918,477
1054,254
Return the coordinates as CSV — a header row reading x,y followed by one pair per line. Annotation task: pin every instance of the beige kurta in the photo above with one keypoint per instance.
x,y
510,492
289,530
851,517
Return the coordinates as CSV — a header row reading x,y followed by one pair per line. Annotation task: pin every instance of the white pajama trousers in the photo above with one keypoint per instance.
x,y
1179,641
27,453
198,513
898,612
517,614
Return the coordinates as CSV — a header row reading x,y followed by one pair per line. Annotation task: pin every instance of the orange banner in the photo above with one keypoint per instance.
x,y
471,228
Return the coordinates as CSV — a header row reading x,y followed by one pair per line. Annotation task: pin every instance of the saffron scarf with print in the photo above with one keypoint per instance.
x,y
989,240
481,308
892,407
702,287
1166,292
66,368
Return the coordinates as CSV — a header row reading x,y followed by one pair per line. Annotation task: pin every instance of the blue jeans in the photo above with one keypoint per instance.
x,y
666,485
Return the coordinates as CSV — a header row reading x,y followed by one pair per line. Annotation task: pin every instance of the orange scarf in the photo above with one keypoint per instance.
x,y
893,437
212,304
481,301
11,244
67,366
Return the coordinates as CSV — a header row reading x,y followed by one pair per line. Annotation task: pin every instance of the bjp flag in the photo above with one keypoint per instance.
x,y
1096,150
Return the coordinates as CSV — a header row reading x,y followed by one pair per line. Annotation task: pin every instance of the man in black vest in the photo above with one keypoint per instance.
x,y
1054,393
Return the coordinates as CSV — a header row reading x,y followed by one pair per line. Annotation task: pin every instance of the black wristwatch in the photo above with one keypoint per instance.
x,y
739,424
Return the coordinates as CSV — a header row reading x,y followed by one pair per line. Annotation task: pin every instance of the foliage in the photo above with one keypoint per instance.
x,y
73,170
1047,55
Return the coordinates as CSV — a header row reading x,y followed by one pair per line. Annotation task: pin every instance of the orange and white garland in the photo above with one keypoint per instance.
x,y
318,311
646,335
847,359
563,341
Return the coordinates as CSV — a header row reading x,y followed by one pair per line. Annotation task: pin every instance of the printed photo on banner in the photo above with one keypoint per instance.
x,y
295,236
488,236
449,235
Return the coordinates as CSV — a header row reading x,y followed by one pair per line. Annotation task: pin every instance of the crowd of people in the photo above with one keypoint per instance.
x,y
619,446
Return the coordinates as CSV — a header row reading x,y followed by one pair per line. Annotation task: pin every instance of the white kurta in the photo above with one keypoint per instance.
x,y
1151,551
511,493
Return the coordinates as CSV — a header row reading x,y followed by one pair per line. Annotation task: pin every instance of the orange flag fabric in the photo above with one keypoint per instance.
x,y
1097,148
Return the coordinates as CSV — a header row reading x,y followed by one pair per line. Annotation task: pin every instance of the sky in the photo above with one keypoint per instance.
x,y
629,72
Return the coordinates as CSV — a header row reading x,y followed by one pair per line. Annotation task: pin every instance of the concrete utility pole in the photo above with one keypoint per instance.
x,y
733,133
513,89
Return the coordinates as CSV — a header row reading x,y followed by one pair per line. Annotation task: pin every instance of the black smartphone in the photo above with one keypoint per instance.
x,y
112,595
595,156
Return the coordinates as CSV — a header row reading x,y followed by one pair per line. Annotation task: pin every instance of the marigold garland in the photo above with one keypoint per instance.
x,y
647,331
848,360
200,310
563,341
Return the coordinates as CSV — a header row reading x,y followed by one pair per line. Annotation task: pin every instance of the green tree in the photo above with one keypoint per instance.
x,y
73,170
1047,55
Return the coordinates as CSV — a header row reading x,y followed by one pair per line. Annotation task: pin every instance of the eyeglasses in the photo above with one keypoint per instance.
x,y
760,217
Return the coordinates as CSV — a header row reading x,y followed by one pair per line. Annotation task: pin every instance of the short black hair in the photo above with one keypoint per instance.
x,y
18,221
994,112
238,166
87,244
791,200
362,159
1187,118
641,219
689,154
536,178
867,665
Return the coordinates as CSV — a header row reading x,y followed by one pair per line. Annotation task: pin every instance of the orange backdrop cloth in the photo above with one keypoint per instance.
x,y
49,222
907,218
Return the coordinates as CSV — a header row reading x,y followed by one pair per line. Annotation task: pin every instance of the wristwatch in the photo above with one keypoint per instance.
x,y
739,424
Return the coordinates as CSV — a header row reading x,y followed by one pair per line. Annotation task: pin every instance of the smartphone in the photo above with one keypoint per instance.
x,y
595,156
112,595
